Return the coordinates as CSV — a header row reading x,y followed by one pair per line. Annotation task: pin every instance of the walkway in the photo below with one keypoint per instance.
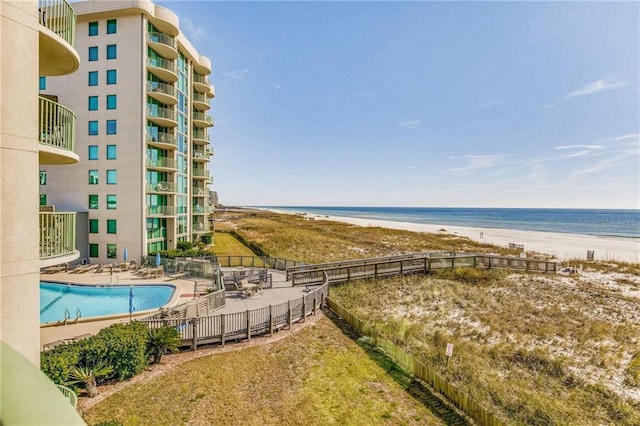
x,y
281,291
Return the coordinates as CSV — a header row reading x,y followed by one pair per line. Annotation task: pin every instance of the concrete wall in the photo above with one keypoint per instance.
x,y
19,226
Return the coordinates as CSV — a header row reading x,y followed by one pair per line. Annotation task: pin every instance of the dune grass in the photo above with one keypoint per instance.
x,y
316,376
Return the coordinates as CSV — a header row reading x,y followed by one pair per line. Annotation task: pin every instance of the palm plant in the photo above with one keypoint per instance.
x,y
160,340
89,375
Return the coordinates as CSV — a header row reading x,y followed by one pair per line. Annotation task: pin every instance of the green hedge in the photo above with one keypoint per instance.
x,y
123,346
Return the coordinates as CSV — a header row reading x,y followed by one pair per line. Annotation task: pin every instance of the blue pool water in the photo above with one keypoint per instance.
x,y
93,301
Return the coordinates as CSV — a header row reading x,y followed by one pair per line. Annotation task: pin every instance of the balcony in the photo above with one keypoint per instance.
x,y
164,117
156,234
162,164
201,101
57,134
200,137
200,192
162,188
161,211
201,83
163,69
198,209
162,140
162,92
57,53
202,119
57,238
200,228
21,378
163,44
201,155
200,174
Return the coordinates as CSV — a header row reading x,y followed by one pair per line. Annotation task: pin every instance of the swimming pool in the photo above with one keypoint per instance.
x,y
59,299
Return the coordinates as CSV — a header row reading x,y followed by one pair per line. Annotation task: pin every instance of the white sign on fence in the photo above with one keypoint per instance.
x,y
449,349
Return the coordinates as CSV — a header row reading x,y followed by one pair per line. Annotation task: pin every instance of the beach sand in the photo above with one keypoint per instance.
x,y
562,246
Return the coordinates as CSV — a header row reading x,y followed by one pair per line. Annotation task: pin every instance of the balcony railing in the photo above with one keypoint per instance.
x,y
162,187
161,211
156,233
154,111
200,173
203,117
202,79
162,138
162,38
200,192
57,125
200,134
59,17
57,234
162,88
201,227
161,163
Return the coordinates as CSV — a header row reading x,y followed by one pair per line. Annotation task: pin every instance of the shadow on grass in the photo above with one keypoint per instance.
x,y
415,388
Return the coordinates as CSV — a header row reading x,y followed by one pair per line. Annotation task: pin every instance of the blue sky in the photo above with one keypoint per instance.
x,y
436,104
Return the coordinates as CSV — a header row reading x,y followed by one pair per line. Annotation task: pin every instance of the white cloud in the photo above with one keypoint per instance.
x,y
475,162
579,147
237,74
278,86
410,124
193,31
486,105
625,137
550,105
595,87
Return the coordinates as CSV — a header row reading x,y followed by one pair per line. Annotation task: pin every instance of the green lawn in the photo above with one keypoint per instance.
x,y
226,244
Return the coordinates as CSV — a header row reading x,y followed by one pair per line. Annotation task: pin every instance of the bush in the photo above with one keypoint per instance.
x,y
184,245
122,346
206,239
58,362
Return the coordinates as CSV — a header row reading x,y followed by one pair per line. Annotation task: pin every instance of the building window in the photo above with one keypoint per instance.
x,y
112,76
93,128
112,127
112,152
43,199
93,250
112,202
93,201
43,177
93,78
112,26
112,227
93,53
93,103
93,177
93,226
112,251
112,177
93,152
112,51
43,82
112,101
93,29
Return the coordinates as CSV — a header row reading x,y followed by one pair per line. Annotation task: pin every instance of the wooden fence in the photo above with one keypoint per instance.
x,y
410,364
222,328
382,267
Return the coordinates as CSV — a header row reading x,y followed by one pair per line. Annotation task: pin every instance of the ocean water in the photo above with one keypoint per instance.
x,y
617,223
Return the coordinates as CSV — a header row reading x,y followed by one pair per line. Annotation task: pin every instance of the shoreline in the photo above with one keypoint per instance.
x,y
561,245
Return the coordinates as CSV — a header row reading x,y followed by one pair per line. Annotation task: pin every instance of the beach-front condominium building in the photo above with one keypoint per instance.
x,y
142,98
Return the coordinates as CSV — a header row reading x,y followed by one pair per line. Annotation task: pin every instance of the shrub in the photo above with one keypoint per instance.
x,y
122,346
184,245
159,340
89,376
206,239
58,362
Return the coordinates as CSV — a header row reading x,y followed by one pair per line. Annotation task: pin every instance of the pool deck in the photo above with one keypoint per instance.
x,y
281,291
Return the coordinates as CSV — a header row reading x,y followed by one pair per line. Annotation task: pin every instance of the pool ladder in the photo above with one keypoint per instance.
x,y
67,315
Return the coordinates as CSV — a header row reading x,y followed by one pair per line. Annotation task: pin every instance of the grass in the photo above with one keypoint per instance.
x,y
316,376
226,244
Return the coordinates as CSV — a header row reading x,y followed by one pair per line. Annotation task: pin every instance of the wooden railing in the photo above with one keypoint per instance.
x,y
222,328
410,364
381,267
257,262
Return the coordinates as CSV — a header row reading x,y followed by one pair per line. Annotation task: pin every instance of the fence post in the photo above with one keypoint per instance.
x,y
348,277
223,323
289,306
248,324
314,303
375,271
194,325
304,310
401,269
271,320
